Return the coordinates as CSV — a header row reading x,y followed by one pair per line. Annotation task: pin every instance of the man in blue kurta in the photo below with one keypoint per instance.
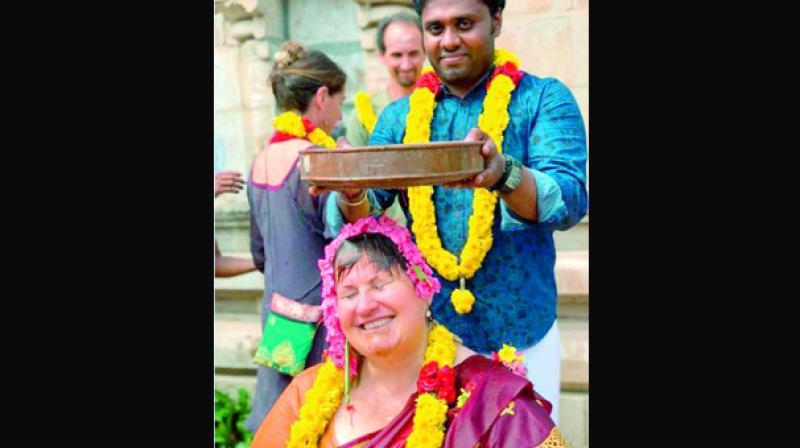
x,y
515,288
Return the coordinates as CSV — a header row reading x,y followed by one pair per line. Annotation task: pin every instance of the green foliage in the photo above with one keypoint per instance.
x,y
229,417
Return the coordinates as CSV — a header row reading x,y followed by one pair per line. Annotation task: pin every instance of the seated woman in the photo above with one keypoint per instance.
x,y
410,383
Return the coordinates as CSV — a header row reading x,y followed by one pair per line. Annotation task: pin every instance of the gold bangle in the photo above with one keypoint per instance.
x,y
341,201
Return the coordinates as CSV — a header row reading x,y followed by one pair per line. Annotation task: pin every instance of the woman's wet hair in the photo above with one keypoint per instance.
x,y
298,73
378,248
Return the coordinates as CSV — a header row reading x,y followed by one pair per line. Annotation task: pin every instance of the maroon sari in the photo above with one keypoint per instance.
x,y
502,411
488,418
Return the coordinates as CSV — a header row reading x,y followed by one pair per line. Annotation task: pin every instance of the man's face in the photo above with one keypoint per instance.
x,y
459,39
403,56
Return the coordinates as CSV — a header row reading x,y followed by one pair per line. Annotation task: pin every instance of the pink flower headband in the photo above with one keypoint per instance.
x,y
418,271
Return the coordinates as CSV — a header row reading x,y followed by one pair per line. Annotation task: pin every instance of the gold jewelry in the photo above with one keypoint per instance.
x,y
341,201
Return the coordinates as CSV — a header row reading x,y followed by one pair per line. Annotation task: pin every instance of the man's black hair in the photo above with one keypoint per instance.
x,y
493,5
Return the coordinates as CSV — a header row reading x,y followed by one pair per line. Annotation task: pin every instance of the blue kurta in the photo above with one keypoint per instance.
x,y
515,289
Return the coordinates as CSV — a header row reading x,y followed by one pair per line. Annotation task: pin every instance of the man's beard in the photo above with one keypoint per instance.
x,y
405,81
453,75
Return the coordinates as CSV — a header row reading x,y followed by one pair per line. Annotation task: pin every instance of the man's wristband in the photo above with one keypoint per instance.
x,y
503,178
511,178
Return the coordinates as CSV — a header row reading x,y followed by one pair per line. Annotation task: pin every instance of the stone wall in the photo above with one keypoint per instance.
x,y
246,34
243,102
551,38
370,12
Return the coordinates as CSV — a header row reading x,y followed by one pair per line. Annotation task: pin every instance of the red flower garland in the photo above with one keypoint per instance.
x,y
430,81
442,381
508,69
279,136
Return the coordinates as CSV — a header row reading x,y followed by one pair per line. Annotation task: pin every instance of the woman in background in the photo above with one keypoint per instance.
x,y
287,225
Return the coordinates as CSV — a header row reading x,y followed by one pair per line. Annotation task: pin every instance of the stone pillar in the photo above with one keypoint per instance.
x,y
551,38
370,12
330,26
245,35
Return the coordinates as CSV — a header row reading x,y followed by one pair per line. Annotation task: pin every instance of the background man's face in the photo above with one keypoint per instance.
x,y
459,39
404,56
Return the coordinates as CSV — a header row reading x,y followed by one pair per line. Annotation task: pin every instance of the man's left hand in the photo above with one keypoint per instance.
x,y
495,163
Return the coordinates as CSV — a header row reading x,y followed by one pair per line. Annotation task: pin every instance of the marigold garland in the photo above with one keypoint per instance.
x,y
321,402
510,357
430,413
493,120
290,124
365,111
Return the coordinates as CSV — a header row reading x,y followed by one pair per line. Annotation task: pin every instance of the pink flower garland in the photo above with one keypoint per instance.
x,y
401,237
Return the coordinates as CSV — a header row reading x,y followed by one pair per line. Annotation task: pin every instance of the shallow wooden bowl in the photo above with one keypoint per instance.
x,y
391,166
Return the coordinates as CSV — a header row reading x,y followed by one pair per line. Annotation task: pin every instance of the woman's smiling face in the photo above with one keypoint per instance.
x,y
379,310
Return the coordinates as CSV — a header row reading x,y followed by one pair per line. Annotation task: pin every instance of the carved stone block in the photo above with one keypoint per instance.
x,y
384,2
254,28
254,73
535,6
554,45
227,92
370,16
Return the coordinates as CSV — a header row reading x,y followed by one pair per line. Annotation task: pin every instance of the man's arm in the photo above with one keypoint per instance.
x,y
552,191
557,159
230,266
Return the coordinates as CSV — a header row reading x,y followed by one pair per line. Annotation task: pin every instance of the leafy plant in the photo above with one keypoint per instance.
x,y
229,417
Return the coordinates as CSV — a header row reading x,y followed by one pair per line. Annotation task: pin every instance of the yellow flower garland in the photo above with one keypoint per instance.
x,y
508,354
321,402
291,123
493,120
430,413
325,397
365,112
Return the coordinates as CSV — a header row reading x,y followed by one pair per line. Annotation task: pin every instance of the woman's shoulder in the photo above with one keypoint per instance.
x,y
272,164
502,408
274,430
463,353
305,379
479,363
479,370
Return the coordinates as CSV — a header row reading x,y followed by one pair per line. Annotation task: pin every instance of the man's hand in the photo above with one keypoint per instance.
x,y
227,182
349,193
495,163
